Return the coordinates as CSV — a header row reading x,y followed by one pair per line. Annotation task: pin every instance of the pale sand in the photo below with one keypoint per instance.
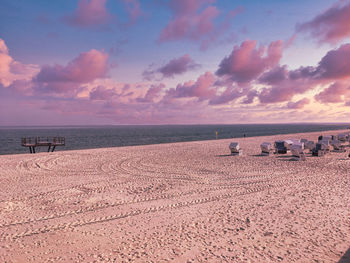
x,y
181,202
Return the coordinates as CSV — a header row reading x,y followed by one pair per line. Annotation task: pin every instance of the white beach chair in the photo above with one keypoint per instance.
x,y
309,145
235,149
319,150
266,148
297,151
337,146
327,143
290,142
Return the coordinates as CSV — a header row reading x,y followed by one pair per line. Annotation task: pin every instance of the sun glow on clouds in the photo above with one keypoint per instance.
x,y
12,70
249,83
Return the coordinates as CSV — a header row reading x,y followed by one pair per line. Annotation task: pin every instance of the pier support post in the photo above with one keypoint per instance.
x,y
30,149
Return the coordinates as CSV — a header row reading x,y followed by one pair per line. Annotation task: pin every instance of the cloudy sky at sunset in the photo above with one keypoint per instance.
x,y
78,62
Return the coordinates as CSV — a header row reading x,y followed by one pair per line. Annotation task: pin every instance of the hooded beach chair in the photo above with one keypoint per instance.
x,y
319,150
235,149
281,147
309,145
266,148
337,146
297,151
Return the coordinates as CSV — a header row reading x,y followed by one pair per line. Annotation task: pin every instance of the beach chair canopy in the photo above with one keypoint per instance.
x,y
234,146
297,145
290,142
266,147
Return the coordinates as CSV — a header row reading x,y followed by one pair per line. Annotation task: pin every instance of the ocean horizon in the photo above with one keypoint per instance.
x,y
102,136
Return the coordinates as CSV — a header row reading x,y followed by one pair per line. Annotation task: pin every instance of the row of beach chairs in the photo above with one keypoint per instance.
x,y
297,147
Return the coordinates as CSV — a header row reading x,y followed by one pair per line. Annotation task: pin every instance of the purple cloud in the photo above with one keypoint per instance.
x,y
152,93
331,26
174,67
335,64
298,104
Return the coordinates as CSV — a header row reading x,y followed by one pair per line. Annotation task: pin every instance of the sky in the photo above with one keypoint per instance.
x,y
112,62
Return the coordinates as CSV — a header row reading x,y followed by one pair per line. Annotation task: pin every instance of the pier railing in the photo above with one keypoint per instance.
x,y
33,142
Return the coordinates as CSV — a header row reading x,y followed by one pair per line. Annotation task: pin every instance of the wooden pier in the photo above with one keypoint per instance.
x,y
50,142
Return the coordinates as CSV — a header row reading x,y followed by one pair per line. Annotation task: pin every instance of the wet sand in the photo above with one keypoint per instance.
x,y
180,202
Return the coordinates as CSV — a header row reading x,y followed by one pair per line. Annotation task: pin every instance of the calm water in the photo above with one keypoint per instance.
x,y
111,136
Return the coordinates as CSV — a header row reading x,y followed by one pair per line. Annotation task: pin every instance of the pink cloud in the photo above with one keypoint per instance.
x,y
247,62
331,26
89,13
335,93
85,68
175,66
298,104
12,70
201,89
5,64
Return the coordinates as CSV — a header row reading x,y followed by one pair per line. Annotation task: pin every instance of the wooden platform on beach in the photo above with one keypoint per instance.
x,y
50,142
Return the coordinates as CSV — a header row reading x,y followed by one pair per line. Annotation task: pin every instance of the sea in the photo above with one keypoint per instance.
x,y
88,137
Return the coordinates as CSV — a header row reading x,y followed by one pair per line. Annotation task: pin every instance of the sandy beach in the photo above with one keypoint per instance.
x,y
180,202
